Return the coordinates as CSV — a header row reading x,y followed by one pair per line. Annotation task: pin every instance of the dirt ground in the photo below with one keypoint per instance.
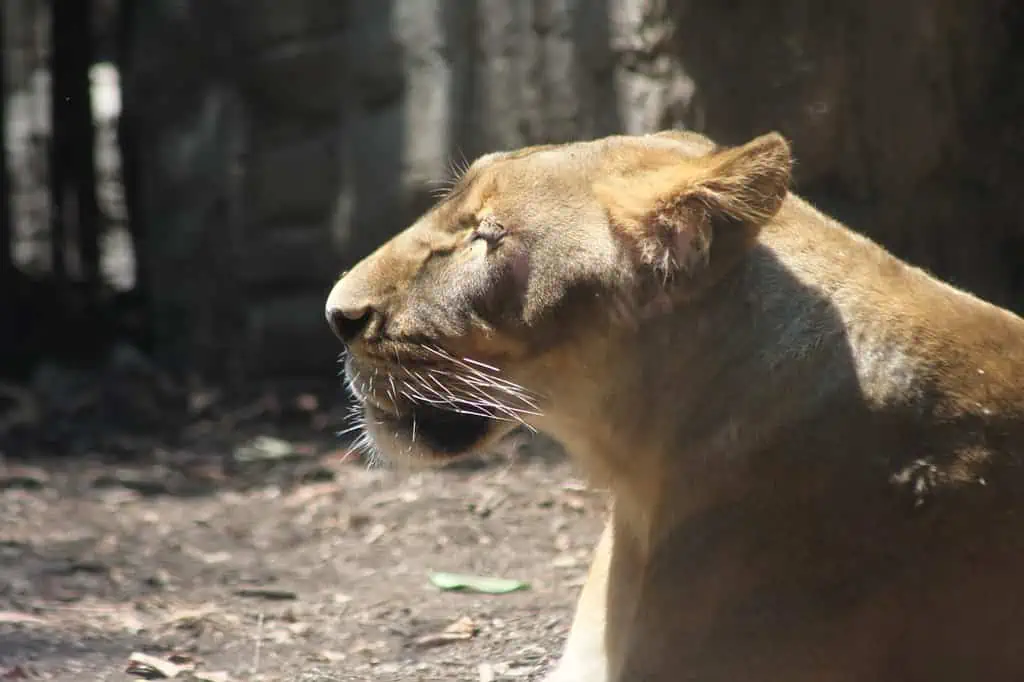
x,y
266,554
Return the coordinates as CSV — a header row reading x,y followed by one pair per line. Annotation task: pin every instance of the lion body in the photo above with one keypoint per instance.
x,y
813,449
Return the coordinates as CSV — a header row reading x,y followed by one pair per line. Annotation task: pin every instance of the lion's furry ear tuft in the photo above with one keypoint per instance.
x,y
689,213
747,183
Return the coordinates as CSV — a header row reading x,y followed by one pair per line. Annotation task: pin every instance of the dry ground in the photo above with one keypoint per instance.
x,y
282,561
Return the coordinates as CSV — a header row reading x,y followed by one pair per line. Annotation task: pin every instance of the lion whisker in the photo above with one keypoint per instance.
x,y
482,405
478,396
471,366
478,387
348,429
491,378
460,385
482,365
483,385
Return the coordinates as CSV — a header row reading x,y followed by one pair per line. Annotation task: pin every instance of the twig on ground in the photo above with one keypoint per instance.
x,y
259,644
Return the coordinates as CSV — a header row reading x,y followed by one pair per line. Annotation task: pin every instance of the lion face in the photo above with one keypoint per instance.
x,y
475,318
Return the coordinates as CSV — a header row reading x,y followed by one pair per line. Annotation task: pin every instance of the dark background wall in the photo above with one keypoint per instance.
x,y
263,146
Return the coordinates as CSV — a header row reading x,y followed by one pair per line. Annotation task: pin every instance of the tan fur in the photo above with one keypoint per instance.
x,y
814,449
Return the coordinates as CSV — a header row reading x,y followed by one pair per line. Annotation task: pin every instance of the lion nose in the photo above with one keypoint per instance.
x,y
347,323
347,314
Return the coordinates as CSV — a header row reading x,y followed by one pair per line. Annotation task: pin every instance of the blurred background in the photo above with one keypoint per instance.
x,y
183,179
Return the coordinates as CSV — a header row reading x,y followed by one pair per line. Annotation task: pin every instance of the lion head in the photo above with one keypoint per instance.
x,y
506,303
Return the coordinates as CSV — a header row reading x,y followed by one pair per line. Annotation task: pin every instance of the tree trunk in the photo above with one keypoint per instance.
x,y
72,167
6,226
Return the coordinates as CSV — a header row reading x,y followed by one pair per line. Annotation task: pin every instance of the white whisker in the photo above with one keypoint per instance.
x,y
464,386
477,363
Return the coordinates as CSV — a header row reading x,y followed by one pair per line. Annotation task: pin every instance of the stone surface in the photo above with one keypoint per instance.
x,y
289,258
293,182
266,23
281,340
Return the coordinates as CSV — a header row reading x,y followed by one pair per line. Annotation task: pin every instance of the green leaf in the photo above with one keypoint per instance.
x,y
476,583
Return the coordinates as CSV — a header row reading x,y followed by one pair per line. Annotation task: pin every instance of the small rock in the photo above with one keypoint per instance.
x,y
564,561
328,656
300,629
158,580
376,532
307,402
264,448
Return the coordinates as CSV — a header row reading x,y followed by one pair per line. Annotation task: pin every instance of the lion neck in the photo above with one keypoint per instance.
x,y
667,416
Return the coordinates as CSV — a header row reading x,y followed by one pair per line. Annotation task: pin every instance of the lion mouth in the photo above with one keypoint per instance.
x,y
443,432
438,411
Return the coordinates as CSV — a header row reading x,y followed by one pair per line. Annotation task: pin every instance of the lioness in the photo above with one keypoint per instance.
x,y
814,449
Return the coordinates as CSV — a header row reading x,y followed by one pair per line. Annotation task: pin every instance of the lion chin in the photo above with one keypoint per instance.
x,y
401,426
426,434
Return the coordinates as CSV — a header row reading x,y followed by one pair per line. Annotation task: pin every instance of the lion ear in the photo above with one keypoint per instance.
x,y
688,215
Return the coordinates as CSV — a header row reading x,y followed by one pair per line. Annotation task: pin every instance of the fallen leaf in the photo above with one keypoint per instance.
x,y
462,629
153,668
182,658
16,673
475,583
